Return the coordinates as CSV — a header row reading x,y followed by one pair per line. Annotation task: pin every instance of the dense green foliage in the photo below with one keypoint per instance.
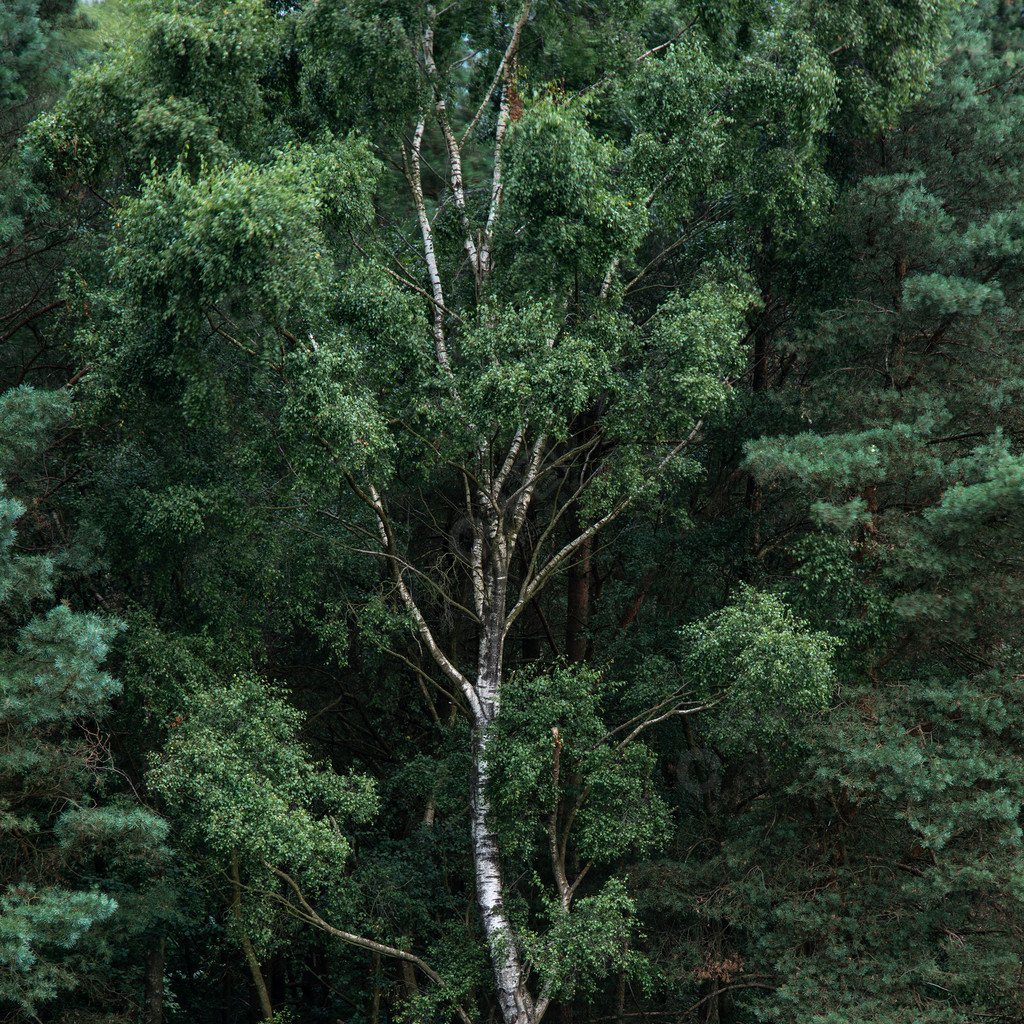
x,y
71,840
547,479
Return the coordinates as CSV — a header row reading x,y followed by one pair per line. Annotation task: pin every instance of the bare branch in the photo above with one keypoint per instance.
x,y
670,699
454,155
513,454
579,878
562,507
668,42
310,916
706,219
507,59
567,455
458,466
675,712
530,587
648,200
453,698
406,566
504,116
373,499
526,491
649,717
405,280
414,175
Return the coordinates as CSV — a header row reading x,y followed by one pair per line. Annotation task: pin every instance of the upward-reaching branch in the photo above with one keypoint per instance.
x,y
509,56
527,489
454,155
305,912
372,498
532,584
504,74
414,175
513,453
562,505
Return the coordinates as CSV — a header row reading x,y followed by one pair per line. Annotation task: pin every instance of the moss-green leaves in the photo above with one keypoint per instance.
x,y
761,669
601,792
249,234
250,788
564,212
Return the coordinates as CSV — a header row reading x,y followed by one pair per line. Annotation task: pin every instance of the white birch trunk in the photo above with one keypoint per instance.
x,y
510,976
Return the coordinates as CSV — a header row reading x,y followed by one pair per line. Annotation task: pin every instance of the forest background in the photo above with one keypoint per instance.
x,y
511,510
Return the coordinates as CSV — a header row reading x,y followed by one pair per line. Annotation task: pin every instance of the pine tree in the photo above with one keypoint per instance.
x,y
876,873
60,817
38,42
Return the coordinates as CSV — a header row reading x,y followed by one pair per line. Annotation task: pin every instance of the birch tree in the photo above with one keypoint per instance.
x,y
482,271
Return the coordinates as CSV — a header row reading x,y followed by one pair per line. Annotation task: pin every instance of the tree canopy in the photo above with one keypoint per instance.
x,y
550,475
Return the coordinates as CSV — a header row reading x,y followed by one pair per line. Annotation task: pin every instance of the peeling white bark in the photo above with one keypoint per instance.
x,y
509,974
414,173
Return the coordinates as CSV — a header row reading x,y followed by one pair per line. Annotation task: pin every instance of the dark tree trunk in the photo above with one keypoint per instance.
x,y
153,1006
578,611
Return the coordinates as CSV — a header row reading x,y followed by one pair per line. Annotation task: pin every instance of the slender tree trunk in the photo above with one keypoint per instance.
x,y
578,611
226,996
620,998
510,977
278,973
259,982
532,634
375,1011
313,989
632,610
412,987
153,1006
